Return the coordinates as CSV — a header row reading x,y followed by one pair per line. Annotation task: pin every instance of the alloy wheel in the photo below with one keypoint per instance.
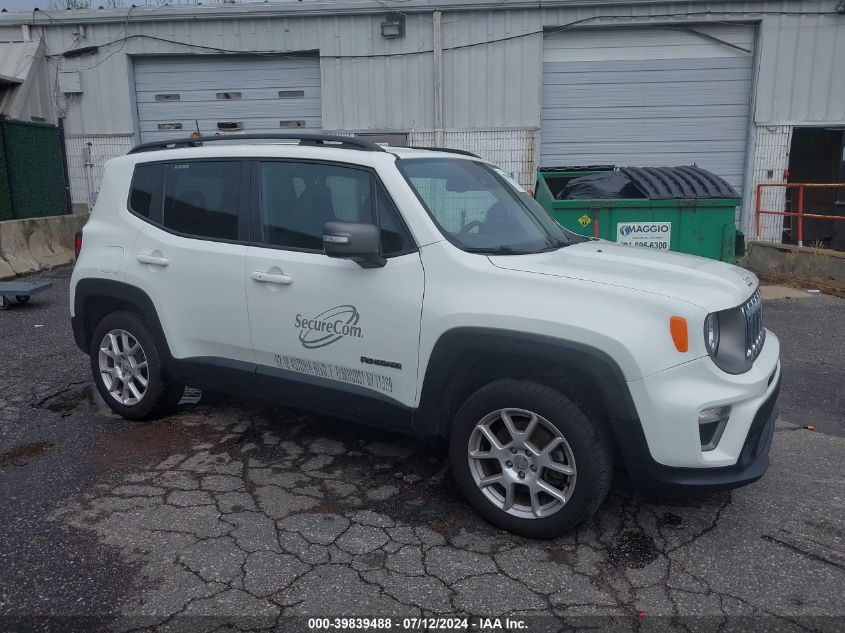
x,y
123,367
521,463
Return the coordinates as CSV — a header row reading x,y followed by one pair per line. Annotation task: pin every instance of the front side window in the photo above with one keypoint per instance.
x,y
201,198
477,210
297,199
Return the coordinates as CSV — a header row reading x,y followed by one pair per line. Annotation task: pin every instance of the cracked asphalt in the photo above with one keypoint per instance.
x,y
237,515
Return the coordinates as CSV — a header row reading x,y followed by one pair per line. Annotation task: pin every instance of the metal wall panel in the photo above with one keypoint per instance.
x,y
648,97
800,79
802,70
492,57
368,82
175,95
495,85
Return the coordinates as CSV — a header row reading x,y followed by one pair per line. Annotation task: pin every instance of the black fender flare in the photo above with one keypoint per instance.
x,y
88,290
596,364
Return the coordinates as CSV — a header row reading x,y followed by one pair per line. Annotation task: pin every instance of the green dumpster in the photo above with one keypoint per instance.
x,y
683,209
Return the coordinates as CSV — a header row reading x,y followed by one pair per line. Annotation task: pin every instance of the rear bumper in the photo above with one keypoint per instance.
x,y
651,477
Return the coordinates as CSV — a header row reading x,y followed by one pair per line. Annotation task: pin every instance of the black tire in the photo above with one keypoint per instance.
x,y
587,439
22,298
163,392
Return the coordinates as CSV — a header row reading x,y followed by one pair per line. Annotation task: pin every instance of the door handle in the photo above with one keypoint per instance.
x,y
268,278
152,260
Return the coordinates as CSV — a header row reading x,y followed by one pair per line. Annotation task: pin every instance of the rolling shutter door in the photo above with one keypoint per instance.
x,y
648,97
226,94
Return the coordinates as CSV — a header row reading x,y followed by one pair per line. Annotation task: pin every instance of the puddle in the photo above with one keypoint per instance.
x,y
632,549
23,454
66,401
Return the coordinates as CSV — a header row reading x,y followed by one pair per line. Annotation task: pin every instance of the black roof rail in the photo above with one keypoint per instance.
x,y
304,138
448,150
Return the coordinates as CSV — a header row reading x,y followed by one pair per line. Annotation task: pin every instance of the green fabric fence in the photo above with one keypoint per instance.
x,y
33,176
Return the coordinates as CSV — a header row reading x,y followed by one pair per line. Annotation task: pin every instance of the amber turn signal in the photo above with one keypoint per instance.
x,y
678,328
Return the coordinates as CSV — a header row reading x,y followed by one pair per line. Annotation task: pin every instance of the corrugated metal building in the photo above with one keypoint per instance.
x,y
520,82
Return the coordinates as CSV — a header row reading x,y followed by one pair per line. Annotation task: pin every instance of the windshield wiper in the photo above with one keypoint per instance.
x,y
554,246
493,250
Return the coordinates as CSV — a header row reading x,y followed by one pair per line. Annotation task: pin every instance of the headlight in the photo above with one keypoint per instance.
x,y
734,337
711,333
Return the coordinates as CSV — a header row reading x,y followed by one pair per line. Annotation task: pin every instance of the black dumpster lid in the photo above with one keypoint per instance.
x,y
578,168
666,183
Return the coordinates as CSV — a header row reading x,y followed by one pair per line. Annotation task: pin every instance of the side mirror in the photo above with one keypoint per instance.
x,y
354,240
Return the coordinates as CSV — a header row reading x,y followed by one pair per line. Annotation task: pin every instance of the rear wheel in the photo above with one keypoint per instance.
x,y
127,369
528,459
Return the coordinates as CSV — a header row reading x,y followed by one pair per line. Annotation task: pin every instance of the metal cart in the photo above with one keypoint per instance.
x,y
20,291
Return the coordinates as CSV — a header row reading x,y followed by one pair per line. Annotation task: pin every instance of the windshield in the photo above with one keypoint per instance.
x,y
478,210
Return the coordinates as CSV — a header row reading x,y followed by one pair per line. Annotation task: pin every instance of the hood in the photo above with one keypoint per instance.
x,y
707,283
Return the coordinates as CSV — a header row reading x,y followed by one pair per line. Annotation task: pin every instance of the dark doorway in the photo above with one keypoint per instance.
x,y
814,157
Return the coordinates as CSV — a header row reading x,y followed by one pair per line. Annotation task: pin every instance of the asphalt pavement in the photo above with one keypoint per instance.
x,y
237,515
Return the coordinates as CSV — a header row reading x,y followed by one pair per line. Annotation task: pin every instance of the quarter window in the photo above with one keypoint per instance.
x,y
145,193
201,198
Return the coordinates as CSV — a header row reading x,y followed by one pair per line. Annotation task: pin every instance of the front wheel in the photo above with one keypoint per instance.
x,y
528,459
128,371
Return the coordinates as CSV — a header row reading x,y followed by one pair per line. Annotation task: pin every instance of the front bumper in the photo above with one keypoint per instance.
x,y
662,449
650,476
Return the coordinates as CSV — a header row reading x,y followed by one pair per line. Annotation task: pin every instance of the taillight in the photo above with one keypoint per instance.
x,y
77,243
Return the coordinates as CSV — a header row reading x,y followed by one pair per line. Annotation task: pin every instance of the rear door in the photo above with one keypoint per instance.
x,y
189,256
326,332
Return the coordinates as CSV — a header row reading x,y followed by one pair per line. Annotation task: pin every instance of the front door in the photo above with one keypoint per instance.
x,y
327,333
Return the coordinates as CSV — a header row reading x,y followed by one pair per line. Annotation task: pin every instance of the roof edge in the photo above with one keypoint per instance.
x,y
308,8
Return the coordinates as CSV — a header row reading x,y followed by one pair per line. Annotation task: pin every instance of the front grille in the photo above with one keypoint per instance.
x,y
755,334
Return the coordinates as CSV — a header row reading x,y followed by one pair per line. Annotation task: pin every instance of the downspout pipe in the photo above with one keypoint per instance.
x,y
438,77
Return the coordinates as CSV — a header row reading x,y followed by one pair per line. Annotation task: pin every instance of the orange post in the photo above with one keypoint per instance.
x,y
757,214
801,215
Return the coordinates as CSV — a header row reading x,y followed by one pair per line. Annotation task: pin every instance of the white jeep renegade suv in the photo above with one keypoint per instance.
x,y
424,291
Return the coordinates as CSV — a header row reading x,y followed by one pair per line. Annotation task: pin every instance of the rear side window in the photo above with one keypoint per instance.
x,y
201,198
145,192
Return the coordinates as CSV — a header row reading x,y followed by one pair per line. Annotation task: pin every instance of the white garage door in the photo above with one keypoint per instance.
x,y
648,97
226,94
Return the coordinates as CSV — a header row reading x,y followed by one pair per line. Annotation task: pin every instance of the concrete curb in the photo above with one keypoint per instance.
x,y
27,246
783,263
